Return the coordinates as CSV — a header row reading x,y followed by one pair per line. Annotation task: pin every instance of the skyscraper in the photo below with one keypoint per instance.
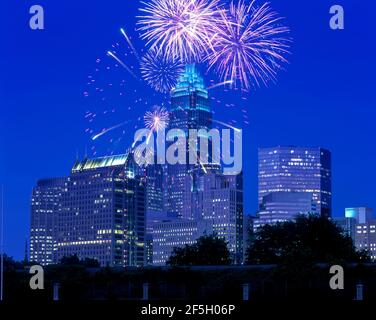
x,y
200,192
218,199
45,205
190,109
99,213
293,180
222,204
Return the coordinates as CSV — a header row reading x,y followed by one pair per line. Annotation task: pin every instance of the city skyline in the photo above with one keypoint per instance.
x,y
102,209
41,132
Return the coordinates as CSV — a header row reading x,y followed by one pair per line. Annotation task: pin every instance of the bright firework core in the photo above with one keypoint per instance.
x,y
157,120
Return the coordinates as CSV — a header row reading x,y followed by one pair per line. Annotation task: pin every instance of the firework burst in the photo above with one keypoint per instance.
x,y
157,119
160,72
181,29
250,44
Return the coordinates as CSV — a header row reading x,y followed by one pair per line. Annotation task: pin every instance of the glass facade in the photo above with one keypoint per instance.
x,y
45,204
99,213
286,172
222,204
176,232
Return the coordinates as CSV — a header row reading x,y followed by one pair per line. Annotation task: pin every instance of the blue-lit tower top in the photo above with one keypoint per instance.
x,y
190,84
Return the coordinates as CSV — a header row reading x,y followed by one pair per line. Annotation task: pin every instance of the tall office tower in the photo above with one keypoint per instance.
x,y
200,192
221,199
45,206
360,224
287,172
101,213
190,109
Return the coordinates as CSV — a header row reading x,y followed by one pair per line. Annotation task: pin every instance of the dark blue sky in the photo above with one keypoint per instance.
x,y
325,98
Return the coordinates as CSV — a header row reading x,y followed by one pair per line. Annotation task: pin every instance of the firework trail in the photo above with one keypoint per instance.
x,y
250,44
104,131
226,125
181,29
111,54
220,84
160,72
130,43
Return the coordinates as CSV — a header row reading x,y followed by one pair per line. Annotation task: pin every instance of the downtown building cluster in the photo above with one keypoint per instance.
x,y
121,214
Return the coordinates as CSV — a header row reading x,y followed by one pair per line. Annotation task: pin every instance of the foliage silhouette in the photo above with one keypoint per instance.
x,y
309,239
208,250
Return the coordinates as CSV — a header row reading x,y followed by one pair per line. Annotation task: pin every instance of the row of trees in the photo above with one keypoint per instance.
x,y
309,239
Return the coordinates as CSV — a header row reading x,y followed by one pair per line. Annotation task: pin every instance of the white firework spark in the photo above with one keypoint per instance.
x,y
157,120
182,29
250,44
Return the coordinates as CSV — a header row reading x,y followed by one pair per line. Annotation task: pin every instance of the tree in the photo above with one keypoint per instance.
x,y
90,263
208,250
308,239
10,264
75,260
70,260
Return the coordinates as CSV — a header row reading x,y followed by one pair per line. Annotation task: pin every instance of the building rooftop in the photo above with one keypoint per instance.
x,y
103,162
190,81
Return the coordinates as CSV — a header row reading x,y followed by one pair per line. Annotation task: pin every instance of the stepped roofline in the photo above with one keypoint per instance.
x,y
190,81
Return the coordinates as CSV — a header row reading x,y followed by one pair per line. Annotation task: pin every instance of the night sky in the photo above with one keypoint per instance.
x,y
326,97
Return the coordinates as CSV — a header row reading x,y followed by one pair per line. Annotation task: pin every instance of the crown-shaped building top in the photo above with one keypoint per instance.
x,y
190,81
